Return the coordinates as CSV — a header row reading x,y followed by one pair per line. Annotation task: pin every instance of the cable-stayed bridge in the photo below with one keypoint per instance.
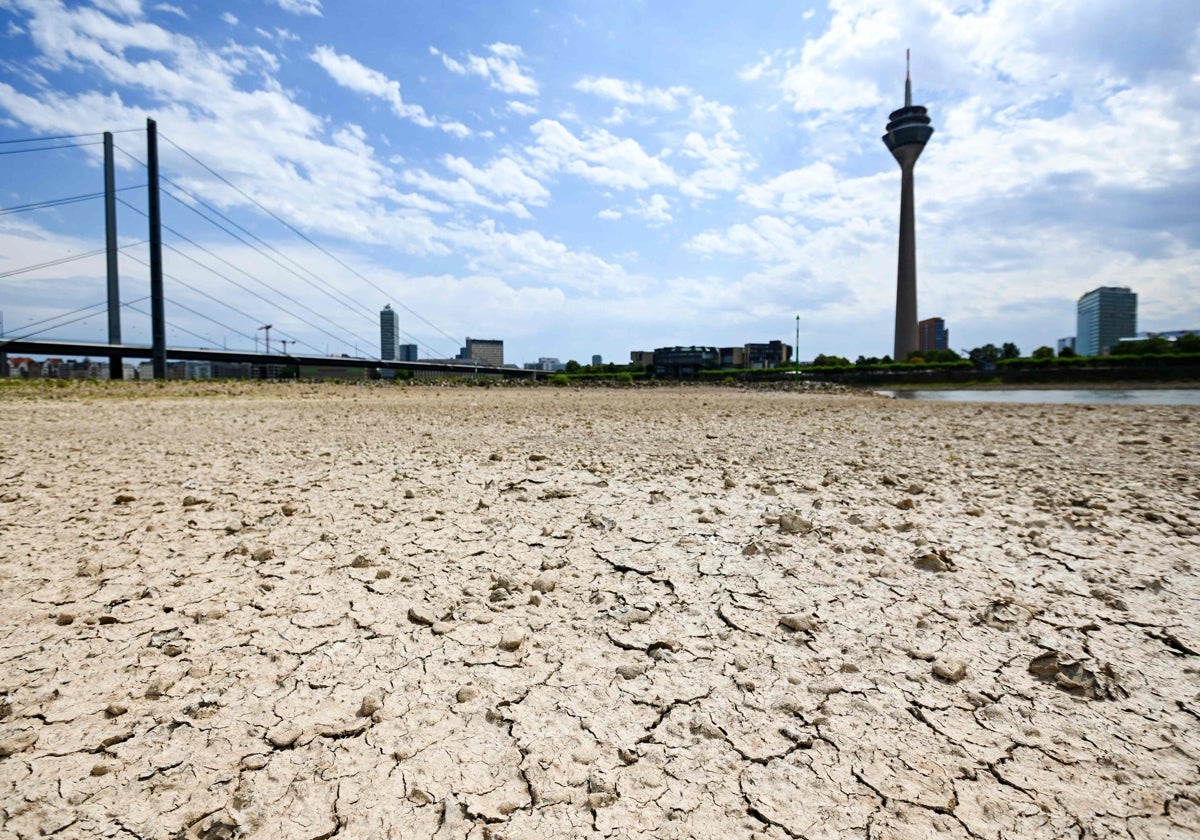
x,y
230,285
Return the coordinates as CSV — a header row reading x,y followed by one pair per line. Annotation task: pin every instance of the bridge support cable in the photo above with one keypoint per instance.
x,y
234,330
116,368
307,239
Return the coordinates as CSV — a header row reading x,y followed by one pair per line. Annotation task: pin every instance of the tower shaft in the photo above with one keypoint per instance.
x,y
906,265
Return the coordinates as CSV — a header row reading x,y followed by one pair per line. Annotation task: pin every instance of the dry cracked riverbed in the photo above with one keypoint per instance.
x,y
319,611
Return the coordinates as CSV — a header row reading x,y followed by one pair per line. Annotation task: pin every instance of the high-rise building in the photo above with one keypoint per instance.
x,y
932,335
407,353
387,334
1103,317
597,360
908,130
487,351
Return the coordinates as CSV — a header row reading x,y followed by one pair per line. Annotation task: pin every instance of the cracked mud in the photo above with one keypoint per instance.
x,y
313,611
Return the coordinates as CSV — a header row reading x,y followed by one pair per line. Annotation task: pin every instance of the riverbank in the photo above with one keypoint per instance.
x,y
996,385
288,610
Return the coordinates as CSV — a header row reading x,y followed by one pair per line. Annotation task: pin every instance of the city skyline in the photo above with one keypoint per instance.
x,y
579,183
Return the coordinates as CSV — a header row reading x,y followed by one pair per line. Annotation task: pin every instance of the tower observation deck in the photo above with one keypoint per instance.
x,y
908,130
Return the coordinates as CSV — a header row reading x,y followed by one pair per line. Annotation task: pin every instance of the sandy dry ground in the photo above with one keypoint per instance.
x,y
306,612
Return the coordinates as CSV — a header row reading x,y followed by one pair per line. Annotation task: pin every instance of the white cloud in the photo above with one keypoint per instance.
x,y
656,210
125,8
598,156
301,7
461,192
633,93
229,18
500,69
609,214
352,74
171,10
521,108
503,177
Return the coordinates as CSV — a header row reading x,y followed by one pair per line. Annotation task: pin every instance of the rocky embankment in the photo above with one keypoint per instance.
x,y
306,611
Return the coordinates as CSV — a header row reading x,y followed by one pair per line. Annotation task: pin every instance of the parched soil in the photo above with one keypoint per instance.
x,y
417,612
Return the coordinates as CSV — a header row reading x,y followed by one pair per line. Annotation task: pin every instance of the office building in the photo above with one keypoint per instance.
x,y
387,334
485,351
766,355
908,130
1064,343
1103,317
685,361
406,353
932,335
597,360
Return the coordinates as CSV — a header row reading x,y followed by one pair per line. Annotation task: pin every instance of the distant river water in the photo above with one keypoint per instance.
x,y
1063,396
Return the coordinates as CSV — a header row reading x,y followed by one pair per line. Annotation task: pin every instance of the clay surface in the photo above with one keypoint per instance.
x,y
419,612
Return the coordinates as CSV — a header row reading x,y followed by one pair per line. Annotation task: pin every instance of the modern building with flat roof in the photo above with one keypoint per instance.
x,y
387,334
485,351
932,335
1103,317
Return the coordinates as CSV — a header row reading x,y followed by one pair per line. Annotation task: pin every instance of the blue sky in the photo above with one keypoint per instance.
x,y
594,178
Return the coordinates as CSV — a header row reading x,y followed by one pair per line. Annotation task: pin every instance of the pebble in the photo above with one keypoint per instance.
x,y
14,744
631,671
792,523
64,619
797,622
512,639
950,669
545,582
257,761
371,704
262,554
159,686
466,694
116,709
284,735
420,614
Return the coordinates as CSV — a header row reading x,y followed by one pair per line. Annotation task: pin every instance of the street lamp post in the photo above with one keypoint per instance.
x,y
796,350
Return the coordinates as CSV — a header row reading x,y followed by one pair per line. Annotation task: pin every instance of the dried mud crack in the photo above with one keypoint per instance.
x,y
318,611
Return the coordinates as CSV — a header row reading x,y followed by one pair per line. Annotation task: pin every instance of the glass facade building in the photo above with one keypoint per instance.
x,y
1102,318
932,335
387,334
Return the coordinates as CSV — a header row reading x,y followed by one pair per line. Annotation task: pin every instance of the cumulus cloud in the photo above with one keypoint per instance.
x,y
300,7
124,8
229,18
500,69
598,156
354,75
656,210
633,93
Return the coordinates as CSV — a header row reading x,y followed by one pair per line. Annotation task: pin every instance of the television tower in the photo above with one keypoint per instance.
x,y
908,130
